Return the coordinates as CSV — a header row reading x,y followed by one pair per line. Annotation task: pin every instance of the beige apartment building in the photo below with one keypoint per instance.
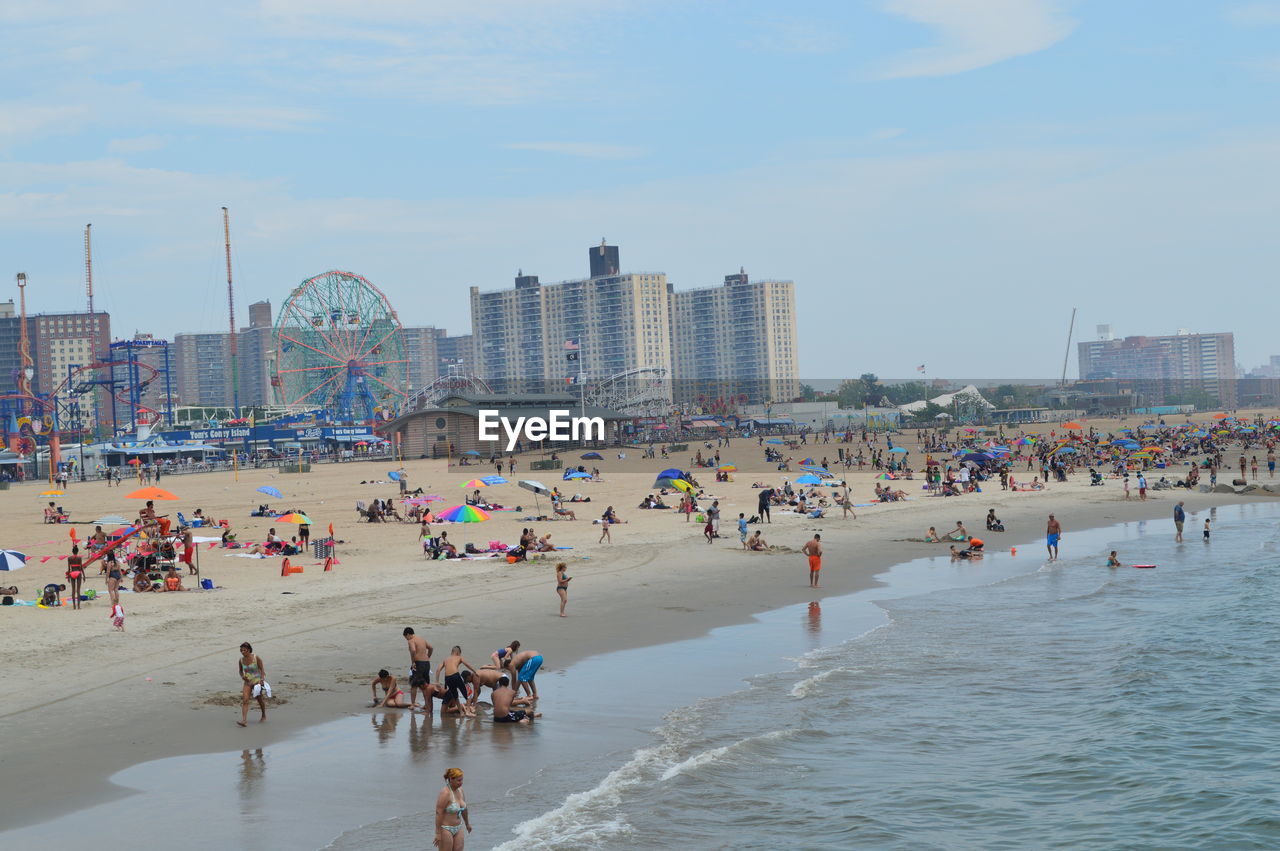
x,y
735,342
537,337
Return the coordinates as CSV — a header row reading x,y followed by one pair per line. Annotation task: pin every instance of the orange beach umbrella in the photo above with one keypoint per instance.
x,y
150,493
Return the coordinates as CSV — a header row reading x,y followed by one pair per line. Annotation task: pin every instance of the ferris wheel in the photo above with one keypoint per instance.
x,y
340,348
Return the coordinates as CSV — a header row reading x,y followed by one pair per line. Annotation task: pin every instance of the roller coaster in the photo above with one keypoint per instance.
x,y
28,417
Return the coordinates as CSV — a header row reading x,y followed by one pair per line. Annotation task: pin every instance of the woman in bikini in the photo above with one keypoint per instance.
x,y
394,695
562,585
114,575
252,673
75,575
451,813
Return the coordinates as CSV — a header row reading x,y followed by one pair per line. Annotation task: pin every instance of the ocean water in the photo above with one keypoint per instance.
x,y
1072,706
1005,703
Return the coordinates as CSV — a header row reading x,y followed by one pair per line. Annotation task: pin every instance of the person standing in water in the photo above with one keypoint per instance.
x,y
562,585
813,549
1052,535
252,673
451,813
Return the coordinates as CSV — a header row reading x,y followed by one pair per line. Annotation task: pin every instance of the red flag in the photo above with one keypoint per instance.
x,y
72,533
330,530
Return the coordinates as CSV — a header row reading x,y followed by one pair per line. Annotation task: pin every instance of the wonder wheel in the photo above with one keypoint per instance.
x,y
340,348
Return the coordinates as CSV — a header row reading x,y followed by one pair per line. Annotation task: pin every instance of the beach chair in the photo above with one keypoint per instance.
x,y
194,522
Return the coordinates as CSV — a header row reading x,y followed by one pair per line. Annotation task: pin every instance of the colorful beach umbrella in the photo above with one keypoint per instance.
x,y
150,493
270,491
295,517
728,468
462,514
475,483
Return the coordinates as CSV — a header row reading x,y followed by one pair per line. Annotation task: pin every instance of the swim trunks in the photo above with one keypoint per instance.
x,y
456,684
421,674
815,563
1052,539
529,670
514,717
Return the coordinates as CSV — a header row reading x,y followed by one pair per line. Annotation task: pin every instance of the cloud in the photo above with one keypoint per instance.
x,y
1256,14
138,144
976,33
586,150
781,35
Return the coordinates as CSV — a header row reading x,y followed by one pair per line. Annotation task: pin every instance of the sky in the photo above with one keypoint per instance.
x,y
944,180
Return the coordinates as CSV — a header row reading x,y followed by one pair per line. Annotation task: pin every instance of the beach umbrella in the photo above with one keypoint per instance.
x,y
1222,416
1064,450
133,461
1073,425
574,474
977,457
12,560
1025,441
295,517
728,468
361,443
773,440
462,514
475,483
537,488
472,453
494,480
51,493
591,456
899,450
417,500
393,476
270,491
808,479
150,493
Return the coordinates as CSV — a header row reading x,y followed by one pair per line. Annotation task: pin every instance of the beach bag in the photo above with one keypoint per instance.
x,y
206,584
7,601
700,518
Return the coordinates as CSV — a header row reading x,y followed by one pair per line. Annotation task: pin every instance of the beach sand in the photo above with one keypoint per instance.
x,y
84,702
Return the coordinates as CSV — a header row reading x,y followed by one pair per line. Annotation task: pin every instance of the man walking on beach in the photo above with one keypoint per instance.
x,y
713,518
1179,518
420,666
813,549
846,504
1053,534
762,505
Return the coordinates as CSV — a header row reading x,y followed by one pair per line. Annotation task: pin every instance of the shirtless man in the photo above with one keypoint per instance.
x,y
1052,534
813,549
504,697
526,664
188,550
420,663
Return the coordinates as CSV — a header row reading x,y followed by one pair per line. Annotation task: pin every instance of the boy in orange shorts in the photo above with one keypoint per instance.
x,y
813,549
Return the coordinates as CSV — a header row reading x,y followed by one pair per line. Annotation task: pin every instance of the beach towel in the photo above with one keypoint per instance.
x,y
262,689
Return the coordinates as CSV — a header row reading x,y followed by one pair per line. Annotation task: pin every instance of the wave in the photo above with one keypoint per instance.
x,y
716,754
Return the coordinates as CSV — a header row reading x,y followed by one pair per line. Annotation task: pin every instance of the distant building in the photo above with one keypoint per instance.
x,y
1166,366
537,336
10,337
421,351
202,369
61,342
735,342
256,357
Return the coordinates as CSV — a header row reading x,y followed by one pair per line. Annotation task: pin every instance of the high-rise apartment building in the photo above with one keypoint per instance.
x,y
10,338
60,342
455,354
1166,365
421,351
203,363
536,336
736,340
202,367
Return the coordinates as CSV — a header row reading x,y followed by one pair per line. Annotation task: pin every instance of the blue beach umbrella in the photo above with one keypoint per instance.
x,y
270,491
808,479
393,476
898,450
1065,450
574,474
494,480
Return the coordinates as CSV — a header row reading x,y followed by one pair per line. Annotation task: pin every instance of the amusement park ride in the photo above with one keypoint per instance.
x,y
340,348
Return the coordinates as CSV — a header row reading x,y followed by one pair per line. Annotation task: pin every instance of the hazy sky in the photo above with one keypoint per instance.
x,y
943,179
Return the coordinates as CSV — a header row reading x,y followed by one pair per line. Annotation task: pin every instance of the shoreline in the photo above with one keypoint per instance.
x,y
716,589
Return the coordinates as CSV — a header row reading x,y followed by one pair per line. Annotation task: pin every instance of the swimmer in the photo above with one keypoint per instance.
x,y
1114,560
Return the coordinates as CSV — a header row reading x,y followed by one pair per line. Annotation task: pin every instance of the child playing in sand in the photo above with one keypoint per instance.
x,y
117,617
